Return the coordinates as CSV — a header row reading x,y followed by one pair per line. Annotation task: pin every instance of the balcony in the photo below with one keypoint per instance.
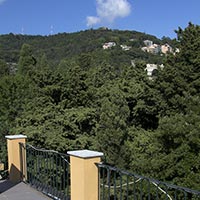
x,y
79,175
19,191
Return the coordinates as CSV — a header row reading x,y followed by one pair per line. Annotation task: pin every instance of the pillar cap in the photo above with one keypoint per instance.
x,y
12,137
85,154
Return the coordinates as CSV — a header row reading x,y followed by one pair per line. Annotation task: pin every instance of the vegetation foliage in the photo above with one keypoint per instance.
x,y
68,93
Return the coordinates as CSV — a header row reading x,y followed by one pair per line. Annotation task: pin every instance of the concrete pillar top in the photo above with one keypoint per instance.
x,y
13,137
85,153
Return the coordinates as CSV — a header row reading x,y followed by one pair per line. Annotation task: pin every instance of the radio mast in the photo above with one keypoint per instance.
x,y
22,30
51,30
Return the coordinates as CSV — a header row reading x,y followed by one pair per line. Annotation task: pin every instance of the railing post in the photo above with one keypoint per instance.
x,y
14,157
84,174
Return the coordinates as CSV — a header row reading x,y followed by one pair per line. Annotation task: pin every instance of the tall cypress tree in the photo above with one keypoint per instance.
x,y
27,61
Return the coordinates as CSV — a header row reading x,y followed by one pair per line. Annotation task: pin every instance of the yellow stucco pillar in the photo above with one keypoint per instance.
x,y
15,157
84,174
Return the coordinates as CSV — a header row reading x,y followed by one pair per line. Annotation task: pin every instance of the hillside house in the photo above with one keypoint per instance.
x,y
109,45
125,47
154,48
166,48
151,69
148,43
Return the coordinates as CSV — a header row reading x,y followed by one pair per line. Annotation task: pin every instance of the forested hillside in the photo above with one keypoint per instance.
x,y
71,94
68,45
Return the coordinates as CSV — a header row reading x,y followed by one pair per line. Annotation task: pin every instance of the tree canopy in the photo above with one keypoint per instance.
x,y
98,100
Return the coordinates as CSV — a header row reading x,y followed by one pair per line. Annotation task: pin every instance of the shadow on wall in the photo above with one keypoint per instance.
x,y
14,174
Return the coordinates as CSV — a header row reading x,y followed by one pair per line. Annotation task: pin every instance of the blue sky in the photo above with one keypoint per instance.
x,y
42,17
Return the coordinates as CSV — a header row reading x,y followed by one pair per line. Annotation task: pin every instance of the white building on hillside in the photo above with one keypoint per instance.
x,y
148,43
109,45
152,68
125,47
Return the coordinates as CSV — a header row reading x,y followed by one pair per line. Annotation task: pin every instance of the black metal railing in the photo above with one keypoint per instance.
x,y
116,184
47,171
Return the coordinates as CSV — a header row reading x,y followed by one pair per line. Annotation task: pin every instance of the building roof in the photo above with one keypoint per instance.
x,y
20,191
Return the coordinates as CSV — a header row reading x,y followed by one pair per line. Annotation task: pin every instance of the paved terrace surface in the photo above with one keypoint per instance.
x,y
20,191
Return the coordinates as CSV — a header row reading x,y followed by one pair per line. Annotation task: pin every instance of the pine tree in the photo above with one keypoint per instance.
x,y
27,61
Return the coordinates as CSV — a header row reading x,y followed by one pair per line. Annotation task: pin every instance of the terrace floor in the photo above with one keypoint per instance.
x,y
20,191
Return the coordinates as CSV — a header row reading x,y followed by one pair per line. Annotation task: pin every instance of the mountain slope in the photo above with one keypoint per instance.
x,y
67,45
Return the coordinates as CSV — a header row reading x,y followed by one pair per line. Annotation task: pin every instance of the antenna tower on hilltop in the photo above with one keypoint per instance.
x,y
51,30
22,30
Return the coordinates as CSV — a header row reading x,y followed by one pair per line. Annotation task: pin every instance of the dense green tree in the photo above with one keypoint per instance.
x,y
173,150
43,64
180,77
141,151
111,127
178,137
15,92
85,61
27,61
50,120
4,68
76,87
170,153
141,96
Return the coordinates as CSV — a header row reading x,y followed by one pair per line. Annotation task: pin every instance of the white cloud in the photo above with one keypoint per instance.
x,y
91,20
1,1
109,10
